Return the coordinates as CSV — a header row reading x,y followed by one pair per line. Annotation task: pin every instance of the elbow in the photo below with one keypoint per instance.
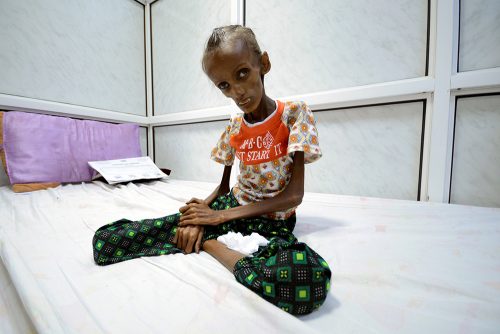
x,y
296,199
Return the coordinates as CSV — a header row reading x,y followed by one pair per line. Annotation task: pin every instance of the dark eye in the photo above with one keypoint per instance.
x,y
223,85
243,73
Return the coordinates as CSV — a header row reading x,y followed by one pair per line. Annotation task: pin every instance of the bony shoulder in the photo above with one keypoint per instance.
x,y
235,123
296,105
294,109
237,118
303,105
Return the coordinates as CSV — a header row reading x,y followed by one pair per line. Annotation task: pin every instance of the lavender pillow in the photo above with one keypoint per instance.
x,y
43,149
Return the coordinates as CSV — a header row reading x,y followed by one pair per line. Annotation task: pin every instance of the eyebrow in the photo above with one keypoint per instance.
x,y
237,68
239,65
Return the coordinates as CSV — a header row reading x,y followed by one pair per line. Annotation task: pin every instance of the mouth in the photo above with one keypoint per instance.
x,y
244,102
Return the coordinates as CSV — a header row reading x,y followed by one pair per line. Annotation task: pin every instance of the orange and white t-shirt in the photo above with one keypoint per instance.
x,y
265,150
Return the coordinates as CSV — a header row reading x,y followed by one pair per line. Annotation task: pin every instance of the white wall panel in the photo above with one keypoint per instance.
x,y
88,53
369,151
322,45
143,136
185,149
479,34
476,155
180,29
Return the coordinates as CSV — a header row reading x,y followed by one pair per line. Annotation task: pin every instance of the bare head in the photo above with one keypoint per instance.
x,y
235,64
226,36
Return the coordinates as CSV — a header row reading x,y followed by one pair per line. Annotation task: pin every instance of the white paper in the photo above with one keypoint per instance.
x,y
125,170
247,244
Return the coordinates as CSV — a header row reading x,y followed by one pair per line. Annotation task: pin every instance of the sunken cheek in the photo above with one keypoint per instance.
x,y
248,87
237,92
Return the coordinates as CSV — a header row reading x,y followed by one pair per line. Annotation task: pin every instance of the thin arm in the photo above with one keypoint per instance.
x,y
222,188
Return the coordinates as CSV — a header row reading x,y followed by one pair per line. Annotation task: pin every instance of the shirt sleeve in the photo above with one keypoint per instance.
x,y
223,153
303,133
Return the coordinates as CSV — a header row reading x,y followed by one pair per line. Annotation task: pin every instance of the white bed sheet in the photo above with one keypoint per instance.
x,y
13,317
398,266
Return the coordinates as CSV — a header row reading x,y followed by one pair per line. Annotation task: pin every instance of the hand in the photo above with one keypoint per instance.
x,y
189,236
195,200
183,209
196,213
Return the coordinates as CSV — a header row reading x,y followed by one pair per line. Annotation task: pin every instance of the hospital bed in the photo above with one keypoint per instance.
x,y
398,267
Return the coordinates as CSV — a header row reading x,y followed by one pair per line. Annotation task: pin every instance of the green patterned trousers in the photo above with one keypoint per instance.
x,y
286,272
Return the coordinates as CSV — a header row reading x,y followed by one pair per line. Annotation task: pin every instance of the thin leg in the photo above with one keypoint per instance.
x,y
224,255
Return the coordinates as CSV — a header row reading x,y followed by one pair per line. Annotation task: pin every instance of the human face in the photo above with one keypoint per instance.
x,y
237,73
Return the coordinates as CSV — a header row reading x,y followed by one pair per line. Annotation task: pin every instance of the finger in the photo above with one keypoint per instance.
x,y
183,219
188,210
198,206
199,201
190,244
179,239
198,242
188,218
185,238
191,221
194,200
175,236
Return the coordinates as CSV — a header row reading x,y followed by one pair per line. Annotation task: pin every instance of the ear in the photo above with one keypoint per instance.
x,y
265,63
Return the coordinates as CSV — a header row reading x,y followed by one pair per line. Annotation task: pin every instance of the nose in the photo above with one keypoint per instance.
x,y
238,90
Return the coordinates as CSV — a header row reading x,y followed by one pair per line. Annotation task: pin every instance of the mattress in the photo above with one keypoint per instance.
x,y
397,267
